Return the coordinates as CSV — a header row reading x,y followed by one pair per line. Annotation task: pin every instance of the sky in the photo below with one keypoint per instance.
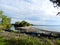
x,y
40,12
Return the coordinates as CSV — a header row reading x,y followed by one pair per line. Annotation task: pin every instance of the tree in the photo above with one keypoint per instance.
x,y
22,24
6,21
1,13
56,4
17,22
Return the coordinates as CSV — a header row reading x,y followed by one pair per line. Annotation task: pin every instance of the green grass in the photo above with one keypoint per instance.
x,y
58,41
28,40
20,41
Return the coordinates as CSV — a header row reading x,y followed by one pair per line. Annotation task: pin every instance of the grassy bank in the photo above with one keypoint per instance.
x,y
26,40
17,38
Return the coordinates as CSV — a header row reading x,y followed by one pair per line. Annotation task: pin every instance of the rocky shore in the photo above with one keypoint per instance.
x,y
39,32
32,29
27,29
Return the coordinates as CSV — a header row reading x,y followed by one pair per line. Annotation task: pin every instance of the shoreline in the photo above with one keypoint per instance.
x,y
44,30
35,32
32,29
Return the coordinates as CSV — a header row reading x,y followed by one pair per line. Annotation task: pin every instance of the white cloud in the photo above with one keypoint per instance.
x,y
9,7
21,9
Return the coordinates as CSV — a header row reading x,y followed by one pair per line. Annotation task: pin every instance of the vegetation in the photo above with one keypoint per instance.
x,y
4,21
28,40
56,2
22,24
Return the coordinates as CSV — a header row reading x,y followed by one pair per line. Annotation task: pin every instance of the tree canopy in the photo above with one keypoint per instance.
x,y
22,24
4,20
56,2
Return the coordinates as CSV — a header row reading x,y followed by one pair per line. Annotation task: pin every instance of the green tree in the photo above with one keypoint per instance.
x,y
23,24
1,13
6,21
17,22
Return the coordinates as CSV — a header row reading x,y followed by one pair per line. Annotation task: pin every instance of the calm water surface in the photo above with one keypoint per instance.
x,y
49,27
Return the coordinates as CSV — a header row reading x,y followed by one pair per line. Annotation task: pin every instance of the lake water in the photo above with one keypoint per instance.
x,y
55,28
12,28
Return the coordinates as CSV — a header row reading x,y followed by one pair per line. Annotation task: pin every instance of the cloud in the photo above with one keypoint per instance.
x,y
33,11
